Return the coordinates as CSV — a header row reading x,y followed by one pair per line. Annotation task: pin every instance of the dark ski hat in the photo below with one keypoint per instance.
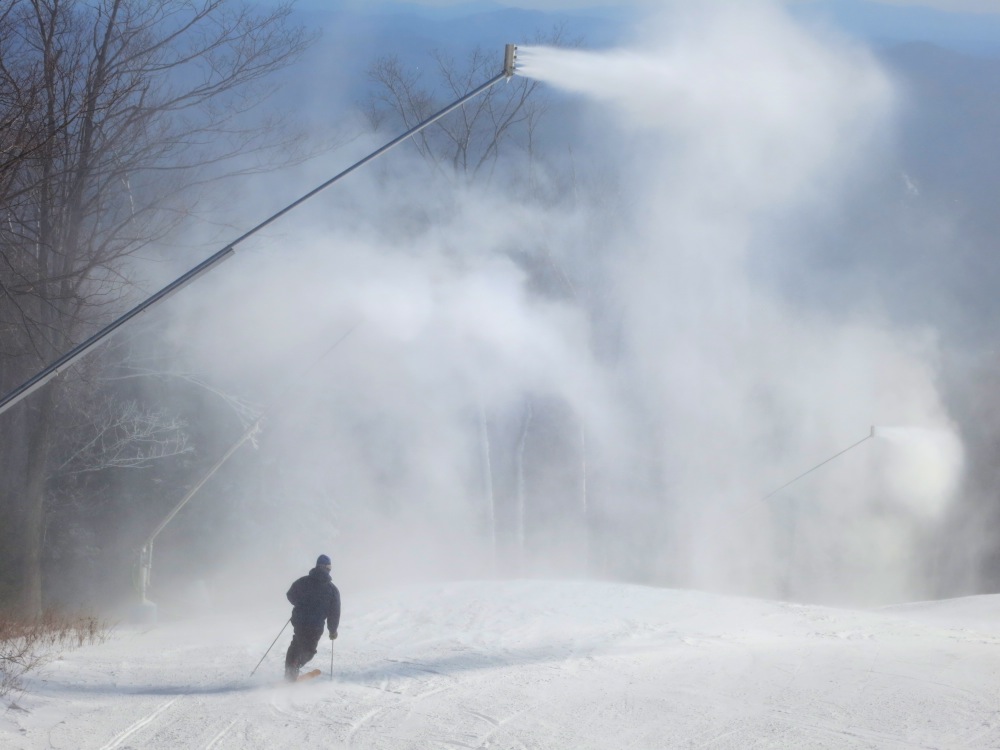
x,y
322,560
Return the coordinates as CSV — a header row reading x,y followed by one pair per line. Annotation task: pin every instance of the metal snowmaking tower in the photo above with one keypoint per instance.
x,y
70,358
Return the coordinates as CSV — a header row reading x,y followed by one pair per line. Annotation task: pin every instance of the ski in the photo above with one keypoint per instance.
x,y
304,677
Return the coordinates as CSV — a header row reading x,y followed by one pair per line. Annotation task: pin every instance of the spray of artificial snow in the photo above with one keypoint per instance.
x,y
923,467
665,388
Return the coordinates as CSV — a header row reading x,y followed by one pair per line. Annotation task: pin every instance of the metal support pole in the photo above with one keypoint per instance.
x,y
66,360
271,646
869,436
146,553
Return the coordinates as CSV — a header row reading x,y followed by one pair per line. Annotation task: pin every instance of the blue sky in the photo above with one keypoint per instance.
x,y
973,6
961,6
968,26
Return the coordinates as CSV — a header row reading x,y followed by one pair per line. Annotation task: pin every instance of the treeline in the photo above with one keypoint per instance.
x,y
114,117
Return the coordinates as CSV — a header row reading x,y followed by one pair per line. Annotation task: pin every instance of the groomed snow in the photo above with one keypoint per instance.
x,y
532,664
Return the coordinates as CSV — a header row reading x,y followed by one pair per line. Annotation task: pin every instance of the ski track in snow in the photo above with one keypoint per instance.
x,y
117,741
524,665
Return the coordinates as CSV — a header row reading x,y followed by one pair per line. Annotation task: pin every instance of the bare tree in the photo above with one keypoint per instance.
x,y
124,434
469,141
130,104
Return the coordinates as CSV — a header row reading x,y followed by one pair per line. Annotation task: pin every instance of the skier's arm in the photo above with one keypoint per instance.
x,y
333,617
294,594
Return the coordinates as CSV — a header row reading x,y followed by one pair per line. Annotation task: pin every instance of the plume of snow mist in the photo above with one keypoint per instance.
x,y
607,382
746,99
923,467
727,119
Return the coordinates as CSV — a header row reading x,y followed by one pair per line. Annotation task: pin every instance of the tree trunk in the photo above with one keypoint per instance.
x,y
584,500
33,501
484,445
522,489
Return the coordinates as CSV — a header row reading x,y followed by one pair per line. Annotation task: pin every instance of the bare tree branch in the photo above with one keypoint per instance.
x,y
470,141
125,435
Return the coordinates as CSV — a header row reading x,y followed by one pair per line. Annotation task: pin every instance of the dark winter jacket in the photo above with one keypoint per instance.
x,y
315,598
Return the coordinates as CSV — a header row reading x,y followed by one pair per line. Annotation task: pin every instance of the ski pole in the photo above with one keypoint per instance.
x,y
271,646
331,661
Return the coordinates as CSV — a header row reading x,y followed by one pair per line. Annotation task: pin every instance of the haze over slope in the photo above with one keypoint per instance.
x,y
597,363
507,665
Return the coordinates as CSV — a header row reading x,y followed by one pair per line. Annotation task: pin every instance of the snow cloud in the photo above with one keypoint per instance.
x,y
626,417
745,120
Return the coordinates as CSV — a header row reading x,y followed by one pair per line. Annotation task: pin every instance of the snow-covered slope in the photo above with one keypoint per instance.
x,y
539,665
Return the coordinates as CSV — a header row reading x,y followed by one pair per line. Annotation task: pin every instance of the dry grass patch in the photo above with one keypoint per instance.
x,y
27,645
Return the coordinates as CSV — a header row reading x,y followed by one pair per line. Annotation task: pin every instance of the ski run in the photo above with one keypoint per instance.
x,y
536,664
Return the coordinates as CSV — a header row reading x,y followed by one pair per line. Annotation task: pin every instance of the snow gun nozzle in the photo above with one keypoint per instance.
x,y
509,60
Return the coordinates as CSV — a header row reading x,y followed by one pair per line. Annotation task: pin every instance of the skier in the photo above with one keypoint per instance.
x,y
314,599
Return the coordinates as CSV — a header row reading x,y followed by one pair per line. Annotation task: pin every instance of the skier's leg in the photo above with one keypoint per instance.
x,y
293,655
308,644
301,650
